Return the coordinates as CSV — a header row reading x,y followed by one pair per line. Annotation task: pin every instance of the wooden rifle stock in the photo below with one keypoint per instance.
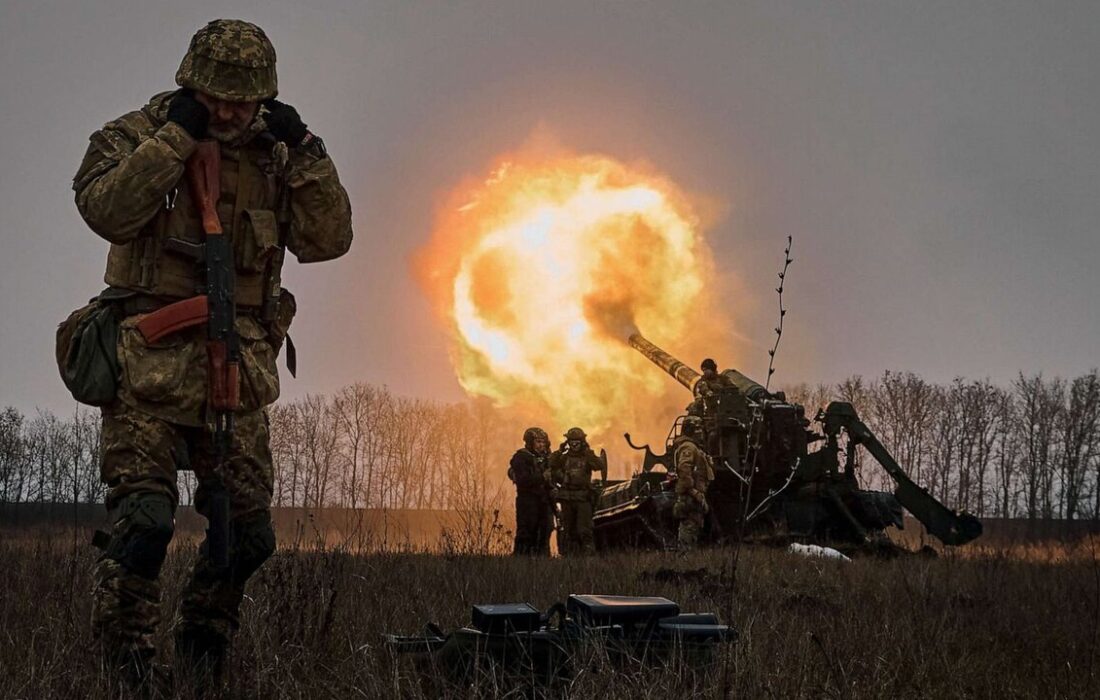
x,y
204,176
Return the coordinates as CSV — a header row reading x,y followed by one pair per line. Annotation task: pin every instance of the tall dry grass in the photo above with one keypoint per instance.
x,y
976,625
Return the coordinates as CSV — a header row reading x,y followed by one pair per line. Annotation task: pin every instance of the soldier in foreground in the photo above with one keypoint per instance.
x,y
277,190
529,471
694,472
571,468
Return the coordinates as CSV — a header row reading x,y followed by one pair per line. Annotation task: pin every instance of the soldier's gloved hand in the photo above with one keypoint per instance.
x,y
189,113
284,123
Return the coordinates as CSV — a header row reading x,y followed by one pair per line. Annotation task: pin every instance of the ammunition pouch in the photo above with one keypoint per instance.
x,y
259,375
87,353
168,377
259,242
279,318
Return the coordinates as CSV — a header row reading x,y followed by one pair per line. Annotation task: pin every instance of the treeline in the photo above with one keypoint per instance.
x,y
362,447
1031,449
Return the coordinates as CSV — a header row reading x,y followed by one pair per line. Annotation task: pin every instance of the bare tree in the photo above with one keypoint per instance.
x,y
902,409
1040,403
1079,428
12,458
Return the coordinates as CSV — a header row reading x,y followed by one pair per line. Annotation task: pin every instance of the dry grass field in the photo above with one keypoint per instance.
x,y
983,623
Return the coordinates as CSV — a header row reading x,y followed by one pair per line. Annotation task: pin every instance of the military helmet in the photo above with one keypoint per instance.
x,y
575,434
692,425
709,364
532,434
232,60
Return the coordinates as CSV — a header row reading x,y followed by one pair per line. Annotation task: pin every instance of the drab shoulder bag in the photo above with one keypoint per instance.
x,y
87,353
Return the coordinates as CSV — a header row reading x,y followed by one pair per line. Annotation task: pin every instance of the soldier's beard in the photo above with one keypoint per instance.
x,y
227,133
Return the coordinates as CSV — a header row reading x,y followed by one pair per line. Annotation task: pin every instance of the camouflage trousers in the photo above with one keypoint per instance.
x,y
140,457
575,535
692,516
533,524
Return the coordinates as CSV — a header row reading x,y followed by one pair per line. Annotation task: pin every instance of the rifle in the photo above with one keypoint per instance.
x,y
223,354
217,308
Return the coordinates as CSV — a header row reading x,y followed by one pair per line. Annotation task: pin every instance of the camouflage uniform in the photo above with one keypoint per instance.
x,y
694,472
130,190
528,470
711,382
571,473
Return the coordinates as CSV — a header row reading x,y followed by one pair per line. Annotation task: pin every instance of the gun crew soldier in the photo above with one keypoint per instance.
x,y
711,380
529,471
571,468
276,190
694,472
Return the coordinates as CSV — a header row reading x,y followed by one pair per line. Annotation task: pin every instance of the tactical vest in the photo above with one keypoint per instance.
x,y
576,472
251,208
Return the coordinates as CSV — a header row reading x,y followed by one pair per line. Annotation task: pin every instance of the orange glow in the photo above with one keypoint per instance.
x,y
540,271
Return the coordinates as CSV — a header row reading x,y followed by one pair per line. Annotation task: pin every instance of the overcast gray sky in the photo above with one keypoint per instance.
x,y
938,163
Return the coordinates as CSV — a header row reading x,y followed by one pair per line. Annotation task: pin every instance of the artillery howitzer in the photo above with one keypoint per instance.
x,y
767,482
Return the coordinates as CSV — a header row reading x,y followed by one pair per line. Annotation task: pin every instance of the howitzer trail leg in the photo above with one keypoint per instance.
x,y
138,463
209,613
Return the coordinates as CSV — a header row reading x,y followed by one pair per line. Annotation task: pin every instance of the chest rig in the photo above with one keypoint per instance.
x,y
577,472
166,259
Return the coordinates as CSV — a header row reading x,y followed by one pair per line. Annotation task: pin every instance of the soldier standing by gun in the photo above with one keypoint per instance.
x,y
694,472
528,471
194,276
571,468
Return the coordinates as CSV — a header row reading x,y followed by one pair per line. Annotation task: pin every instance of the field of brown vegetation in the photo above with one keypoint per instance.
x,y
985,622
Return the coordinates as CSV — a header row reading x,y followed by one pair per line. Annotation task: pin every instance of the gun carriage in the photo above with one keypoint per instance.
x,y
768,481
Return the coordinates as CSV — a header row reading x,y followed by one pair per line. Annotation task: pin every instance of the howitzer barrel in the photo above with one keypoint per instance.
x,y
752,390
678,370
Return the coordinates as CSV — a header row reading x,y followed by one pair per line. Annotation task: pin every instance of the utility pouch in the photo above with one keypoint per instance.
x,y
259,241
279,325
278,328
87,353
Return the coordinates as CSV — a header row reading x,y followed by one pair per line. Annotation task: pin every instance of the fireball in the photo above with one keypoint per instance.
x,y
540,271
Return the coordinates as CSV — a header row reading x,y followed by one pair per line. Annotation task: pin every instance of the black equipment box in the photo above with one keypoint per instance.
x,y
620,609
506,617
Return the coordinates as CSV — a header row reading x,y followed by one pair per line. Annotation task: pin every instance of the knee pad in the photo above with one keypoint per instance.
x,y
254,542
144,523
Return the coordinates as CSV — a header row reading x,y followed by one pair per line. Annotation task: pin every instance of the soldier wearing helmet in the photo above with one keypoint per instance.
x,y
711,380
529,471
571,468
279,192
694,472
